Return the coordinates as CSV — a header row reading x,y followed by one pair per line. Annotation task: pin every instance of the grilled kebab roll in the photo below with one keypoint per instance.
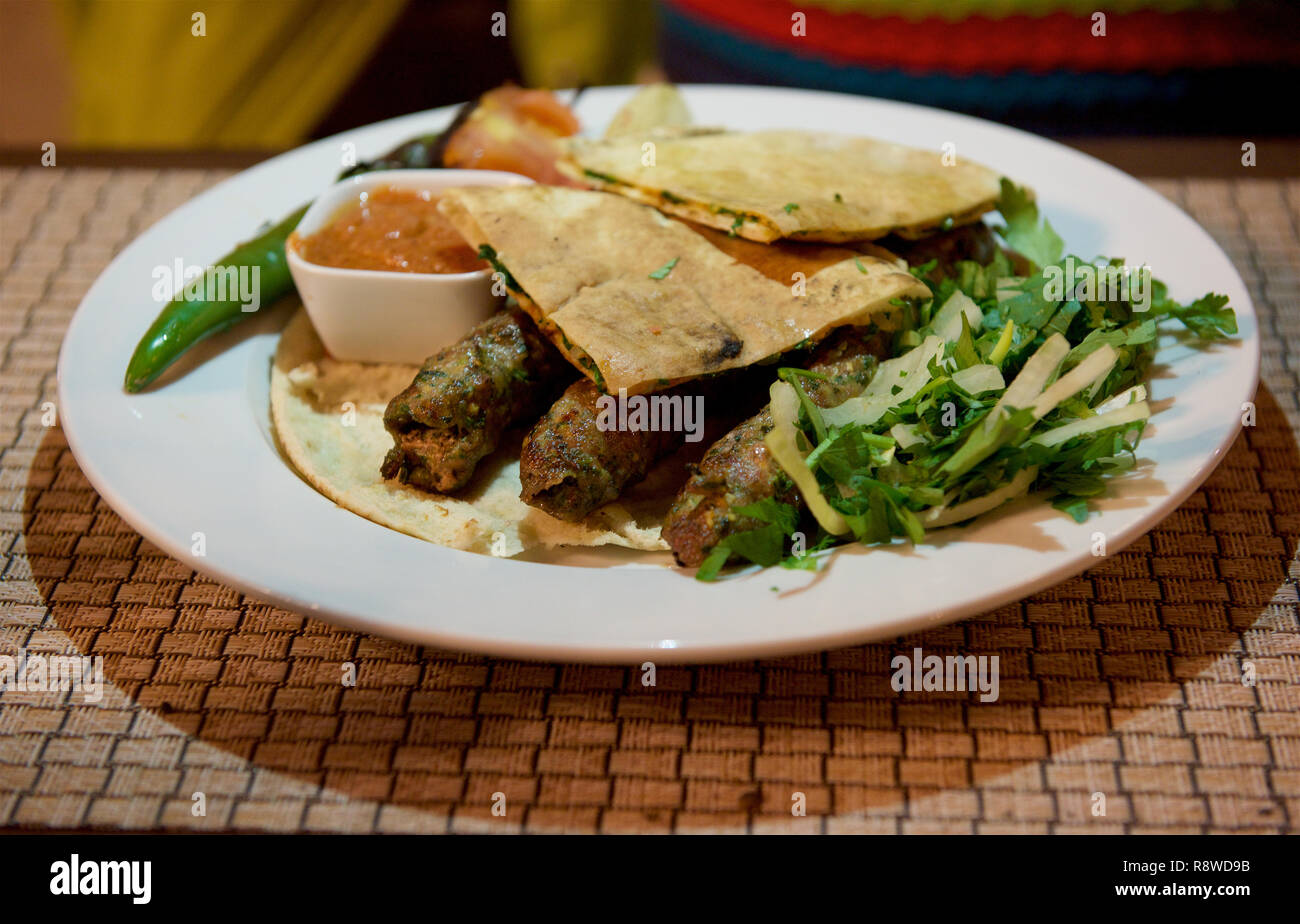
x,y
570,464
464,397
738,469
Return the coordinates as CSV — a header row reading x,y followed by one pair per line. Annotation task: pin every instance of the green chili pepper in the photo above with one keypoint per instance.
x,y
187,320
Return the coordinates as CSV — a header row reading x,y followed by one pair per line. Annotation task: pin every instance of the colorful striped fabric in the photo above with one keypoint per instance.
x,y
998,9
1005,56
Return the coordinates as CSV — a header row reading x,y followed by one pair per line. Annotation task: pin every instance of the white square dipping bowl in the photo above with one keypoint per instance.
x,y
384,316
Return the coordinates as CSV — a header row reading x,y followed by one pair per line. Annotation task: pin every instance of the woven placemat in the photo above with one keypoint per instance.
x,y
1122,705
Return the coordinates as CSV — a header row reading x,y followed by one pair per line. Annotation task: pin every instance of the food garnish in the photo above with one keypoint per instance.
x,y
516,130
663,271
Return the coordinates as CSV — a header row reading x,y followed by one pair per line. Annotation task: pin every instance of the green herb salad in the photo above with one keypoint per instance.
x,y
1005,384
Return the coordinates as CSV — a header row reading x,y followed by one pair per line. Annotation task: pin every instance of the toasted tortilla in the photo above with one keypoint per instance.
x,y
328,418
641,302
811,186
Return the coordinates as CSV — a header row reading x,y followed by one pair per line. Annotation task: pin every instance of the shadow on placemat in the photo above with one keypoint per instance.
x,y
722,746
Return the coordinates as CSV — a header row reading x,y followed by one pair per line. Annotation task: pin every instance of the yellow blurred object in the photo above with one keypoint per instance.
x,y
569,43
247,74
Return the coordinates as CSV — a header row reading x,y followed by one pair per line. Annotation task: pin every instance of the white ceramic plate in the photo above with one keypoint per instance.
x,y
196,456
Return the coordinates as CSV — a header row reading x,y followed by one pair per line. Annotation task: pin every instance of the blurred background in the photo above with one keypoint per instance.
x,y
263,75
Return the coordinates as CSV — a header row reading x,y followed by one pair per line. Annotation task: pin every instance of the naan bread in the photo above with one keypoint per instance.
x,y
790,184
582,263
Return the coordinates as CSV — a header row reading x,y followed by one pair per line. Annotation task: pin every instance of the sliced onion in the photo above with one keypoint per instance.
x,y
1130,413
1095,365
947,320
1028,385
783,442
1123,399
976,380
943,515
909,373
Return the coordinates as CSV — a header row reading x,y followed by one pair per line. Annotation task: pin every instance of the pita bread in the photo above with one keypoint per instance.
x,y
810,186
641,302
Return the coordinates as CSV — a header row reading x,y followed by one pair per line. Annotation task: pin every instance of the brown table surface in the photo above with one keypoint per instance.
x,y
1125,681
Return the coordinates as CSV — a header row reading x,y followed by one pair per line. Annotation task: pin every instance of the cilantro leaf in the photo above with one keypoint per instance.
x,y
791,376
772,511
1076,507
664,270
709,568
1208,317
886,471
763,546
1041,244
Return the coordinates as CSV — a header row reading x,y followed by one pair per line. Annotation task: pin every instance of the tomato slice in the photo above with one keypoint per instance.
x,y
539,106
516,130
